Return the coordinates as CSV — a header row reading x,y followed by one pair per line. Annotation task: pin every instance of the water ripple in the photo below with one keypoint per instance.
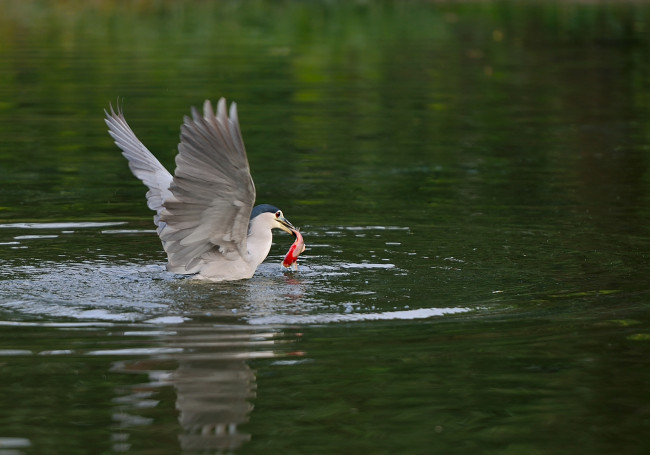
x,y
62,225
290,319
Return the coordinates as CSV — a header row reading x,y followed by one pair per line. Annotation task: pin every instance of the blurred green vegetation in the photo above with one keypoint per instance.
x,y
381,94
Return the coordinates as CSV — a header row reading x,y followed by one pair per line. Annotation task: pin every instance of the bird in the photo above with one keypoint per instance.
x,y
205,214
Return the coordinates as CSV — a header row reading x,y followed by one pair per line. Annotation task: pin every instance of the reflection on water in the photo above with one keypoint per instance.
x,y
207,367
196,371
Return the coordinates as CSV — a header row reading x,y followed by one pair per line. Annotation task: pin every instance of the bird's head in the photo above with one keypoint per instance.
x,y
273,217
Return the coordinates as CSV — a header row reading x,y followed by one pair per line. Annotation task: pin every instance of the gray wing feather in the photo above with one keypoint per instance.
x,y
213,192
142,163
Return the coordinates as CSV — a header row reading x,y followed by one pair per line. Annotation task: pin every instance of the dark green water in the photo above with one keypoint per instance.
x,y
473,184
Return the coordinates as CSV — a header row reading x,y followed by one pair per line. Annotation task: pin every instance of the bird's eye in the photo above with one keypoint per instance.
x,y
278,214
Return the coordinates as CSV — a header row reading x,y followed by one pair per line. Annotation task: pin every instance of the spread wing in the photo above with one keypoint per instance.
x,y
212,192
142,163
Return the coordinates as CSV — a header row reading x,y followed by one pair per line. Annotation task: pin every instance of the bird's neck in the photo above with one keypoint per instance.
x,y
258,245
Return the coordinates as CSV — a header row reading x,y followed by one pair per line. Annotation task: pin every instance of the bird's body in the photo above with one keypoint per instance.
x,y
204,213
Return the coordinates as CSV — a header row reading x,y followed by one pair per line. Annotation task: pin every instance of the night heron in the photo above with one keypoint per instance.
x,y
204,213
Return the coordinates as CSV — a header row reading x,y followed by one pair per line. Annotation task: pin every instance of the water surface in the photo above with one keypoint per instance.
x,y
472,183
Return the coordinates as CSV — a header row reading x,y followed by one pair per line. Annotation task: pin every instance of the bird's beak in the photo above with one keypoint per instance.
x,y
285,225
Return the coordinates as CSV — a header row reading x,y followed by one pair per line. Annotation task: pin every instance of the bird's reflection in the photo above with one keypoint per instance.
x,y
206,365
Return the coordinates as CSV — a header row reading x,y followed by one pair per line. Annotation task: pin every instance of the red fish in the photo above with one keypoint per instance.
x,y
291,259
